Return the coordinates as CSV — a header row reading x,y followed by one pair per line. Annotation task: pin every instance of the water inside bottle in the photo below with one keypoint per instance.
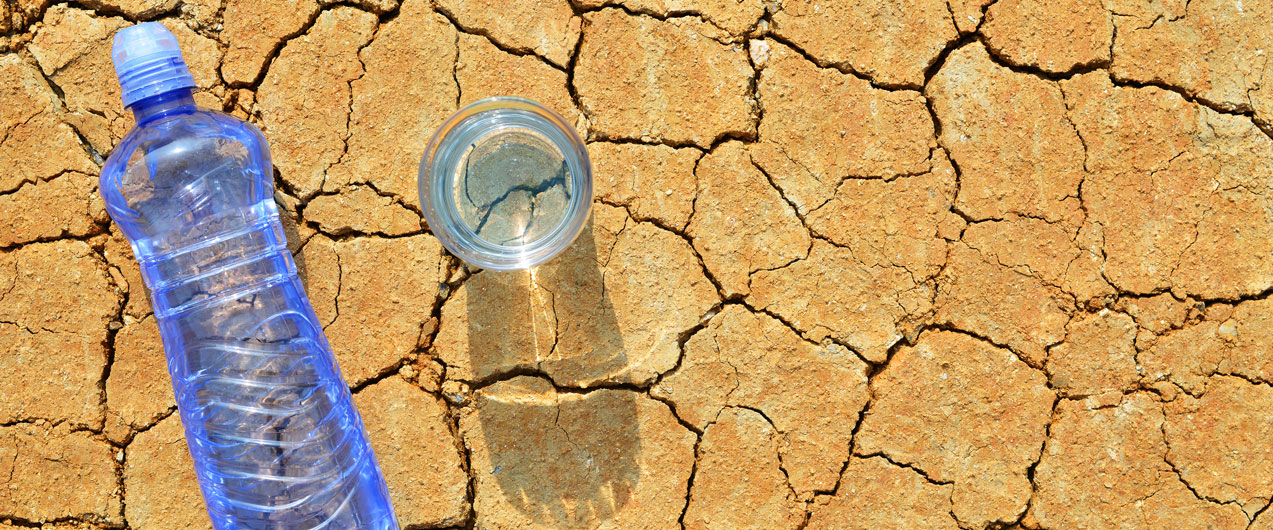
x,y
512,186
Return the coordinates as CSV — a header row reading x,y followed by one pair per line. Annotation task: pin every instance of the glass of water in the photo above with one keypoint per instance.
x,y
505,183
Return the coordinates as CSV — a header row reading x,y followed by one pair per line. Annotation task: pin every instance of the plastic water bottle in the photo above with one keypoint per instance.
x,y
275,438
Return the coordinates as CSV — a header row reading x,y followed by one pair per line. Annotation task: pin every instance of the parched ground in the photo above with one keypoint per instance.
x,y
852,264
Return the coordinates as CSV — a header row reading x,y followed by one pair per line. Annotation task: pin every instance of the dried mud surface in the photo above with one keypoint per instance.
x,y
961,264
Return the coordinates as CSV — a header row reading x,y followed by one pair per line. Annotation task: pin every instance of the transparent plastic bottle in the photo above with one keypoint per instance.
x,y
276,441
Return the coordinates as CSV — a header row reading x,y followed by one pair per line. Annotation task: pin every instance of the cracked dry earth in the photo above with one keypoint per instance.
x,y
853,264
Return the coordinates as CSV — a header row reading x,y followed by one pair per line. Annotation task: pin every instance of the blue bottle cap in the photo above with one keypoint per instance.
x,y
148,62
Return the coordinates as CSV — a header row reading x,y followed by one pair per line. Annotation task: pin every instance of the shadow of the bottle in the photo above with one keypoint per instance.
x,y
563,457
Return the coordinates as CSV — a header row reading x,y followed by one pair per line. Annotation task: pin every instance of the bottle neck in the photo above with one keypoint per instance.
x,y
179,101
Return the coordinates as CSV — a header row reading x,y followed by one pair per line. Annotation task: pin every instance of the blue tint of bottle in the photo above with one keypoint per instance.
x,y
276,441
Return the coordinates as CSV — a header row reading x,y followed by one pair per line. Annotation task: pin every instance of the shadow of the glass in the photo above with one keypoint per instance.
x,y
565,458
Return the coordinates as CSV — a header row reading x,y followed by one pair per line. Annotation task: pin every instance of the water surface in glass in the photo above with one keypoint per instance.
x,y
512,186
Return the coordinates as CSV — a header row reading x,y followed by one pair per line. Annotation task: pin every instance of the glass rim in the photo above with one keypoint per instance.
x,y
455,235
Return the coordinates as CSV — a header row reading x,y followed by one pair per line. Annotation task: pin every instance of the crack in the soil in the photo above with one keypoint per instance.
x,y
1166,440
506,48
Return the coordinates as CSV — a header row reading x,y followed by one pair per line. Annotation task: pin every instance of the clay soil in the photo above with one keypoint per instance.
x,y
852,264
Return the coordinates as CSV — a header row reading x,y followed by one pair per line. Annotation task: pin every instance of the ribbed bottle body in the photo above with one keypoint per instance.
x,y
275,438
